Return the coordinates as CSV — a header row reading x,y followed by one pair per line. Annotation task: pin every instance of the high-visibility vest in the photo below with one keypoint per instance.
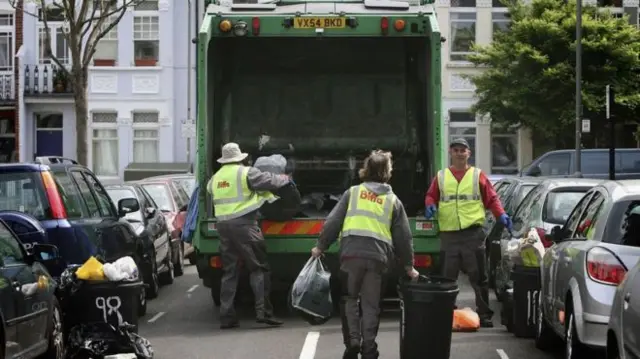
x,y
369,214
232,197
460,204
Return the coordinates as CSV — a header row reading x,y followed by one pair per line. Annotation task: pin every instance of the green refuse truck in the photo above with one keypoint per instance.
x,y
322,83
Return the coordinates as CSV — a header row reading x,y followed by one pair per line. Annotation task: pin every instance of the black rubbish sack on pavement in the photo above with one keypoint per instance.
x,y
97,340
311,293
288,205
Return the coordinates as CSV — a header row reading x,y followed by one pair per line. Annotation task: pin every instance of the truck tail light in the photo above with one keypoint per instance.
x,y
604,267
215,262
255,26
384,25
422,261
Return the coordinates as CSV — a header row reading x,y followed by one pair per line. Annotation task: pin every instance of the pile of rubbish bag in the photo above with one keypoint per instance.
x,y
100,308
288,204
311,293
527,251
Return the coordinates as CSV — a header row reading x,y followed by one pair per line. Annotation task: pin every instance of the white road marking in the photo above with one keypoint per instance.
x,y
310,345
193,287
502,354
156,317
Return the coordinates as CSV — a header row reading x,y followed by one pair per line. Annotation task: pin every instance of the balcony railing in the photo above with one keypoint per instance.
x,y
7,86
46,80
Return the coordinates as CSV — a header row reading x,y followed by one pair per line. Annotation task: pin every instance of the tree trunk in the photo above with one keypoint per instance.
x,y
81,109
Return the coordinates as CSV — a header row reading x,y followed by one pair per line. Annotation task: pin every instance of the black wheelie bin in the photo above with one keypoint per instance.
x,y
526,289
427,317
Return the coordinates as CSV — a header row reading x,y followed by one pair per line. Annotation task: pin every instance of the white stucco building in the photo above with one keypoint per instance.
x,y
138,89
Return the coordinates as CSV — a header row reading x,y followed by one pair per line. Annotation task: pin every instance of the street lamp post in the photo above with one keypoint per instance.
x,y
578,85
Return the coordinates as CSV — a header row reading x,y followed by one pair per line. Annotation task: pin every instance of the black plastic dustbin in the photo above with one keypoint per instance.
x,y
102,301
427,317
526,290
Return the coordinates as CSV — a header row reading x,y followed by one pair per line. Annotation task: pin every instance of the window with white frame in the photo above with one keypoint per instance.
x,y
59,47
463,3
147,5
146,137
146,39
504,150
500,21
463,35
107,47
462,124
6,42
104,138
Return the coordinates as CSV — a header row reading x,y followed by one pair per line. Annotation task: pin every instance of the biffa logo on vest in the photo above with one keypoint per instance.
x,y
370,196
223,184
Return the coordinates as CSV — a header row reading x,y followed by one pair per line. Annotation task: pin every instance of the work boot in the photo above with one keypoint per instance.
x,y
486,322
230,325
270,320
373,355
352,350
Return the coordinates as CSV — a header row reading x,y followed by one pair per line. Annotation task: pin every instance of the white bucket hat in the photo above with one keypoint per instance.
x,y
231,153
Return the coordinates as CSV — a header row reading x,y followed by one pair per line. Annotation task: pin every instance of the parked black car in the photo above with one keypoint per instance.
x,y
511,191
150,225
30,315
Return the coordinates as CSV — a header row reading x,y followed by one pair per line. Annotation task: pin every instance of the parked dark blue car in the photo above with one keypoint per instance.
x,y
73,208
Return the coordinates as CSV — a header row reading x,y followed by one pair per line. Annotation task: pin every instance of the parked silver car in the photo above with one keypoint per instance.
x,y
580,272
623,337
547,205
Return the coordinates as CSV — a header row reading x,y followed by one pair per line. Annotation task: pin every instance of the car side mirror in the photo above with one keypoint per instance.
x,y
150,211
535,171
127,205
45,252
184,208
555,235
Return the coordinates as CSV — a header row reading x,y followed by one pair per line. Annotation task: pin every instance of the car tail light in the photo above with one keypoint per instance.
x,y
604,267
215,262
422,261
384,25
255,26
55,200
543,237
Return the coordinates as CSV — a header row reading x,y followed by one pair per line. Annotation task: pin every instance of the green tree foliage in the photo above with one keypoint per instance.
x,y
530,69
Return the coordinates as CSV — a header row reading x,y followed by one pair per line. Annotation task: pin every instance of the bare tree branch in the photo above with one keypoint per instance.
x,y
47,36
18,5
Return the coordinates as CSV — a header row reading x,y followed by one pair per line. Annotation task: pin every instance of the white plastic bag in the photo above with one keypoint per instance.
x,y
531,249
311,292
124,268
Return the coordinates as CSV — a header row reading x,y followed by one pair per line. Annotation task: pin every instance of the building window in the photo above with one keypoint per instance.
x,y
6,51
463,3
463,35
504,151
462,124
6,20
146,40
147,5
107,48
146,139
105,149
7,137
58,45
498,4
500,21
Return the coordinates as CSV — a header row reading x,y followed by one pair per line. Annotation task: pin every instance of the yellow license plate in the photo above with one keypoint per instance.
x,y
319,23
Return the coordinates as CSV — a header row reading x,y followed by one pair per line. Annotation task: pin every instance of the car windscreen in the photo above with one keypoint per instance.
x,y
161,195
559,205
24,192
116,194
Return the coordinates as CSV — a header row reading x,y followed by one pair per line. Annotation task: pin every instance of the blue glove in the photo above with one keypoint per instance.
x,y
429,211
506,221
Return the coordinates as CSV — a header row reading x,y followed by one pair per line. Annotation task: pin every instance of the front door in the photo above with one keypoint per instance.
x,y
49,135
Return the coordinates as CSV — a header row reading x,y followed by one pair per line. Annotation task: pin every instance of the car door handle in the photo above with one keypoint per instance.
x,y
627,297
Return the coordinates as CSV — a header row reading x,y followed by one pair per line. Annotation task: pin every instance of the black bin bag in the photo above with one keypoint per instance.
x,y
288,204
311,293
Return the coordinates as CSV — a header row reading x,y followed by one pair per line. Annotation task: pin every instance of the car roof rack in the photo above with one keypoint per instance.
x,y
47,160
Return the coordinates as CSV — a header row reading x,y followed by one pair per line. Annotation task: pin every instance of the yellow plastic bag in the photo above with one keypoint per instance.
x,y
91,270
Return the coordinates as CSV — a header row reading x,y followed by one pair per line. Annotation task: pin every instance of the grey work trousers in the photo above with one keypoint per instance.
x,y
465,250
363,280
243,244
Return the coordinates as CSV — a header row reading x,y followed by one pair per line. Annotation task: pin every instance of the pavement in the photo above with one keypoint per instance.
x,y
183,323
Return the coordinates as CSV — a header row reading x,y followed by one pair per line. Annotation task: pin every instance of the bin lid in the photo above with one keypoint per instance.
x,y
431,284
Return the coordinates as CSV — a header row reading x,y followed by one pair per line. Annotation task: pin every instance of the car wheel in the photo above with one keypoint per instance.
x,y
142,302
573,348
546,338
168,275
154,282
215,295
57,348
193,259
178,270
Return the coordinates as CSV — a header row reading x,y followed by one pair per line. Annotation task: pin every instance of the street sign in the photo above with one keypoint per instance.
x,y
586,126
188,129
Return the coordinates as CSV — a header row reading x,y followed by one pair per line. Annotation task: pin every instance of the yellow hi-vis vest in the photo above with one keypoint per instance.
x,y
460,204
368,214
232,197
